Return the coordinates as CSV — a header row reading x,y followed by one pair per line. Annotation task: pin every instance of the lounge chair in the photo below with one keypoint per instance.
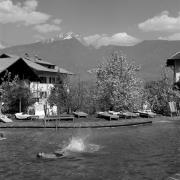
x,y
126,114
107,115
60,117
114,113
5,119
21,116
57,118
80,114
147,114
129,114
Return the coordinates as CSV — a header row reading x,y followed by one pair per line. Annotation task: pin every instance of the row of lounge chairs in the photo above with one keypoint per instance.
x,y
78,114
146,113
112,115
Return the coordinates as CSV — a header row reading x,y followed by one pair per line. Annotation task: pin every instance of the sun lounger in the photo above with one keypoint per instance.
x,y
129,114
57,118
114,112
107,115
126,114
5,119
147,114
61,117
80,114
21,116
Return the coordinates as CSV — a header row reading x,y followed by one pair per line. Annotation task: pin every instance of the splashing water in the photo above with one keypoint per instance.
x,y
75,145
78,144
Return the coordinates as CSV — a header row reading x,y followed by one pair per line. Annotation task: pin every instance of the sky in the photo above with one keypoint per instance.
x,y
99,22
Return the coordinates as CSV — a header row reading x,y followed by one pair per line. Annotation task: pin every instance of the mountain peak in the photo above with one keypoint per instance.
x,y
70,54
63,36
68,35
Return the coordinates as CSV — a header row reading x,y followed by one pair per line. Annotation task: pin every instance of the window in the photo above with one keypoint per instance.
x,y
43,94
43,80
52,80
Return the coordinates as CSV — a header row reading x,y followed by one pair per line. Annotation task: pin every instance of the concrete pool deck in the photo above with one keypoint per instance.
x,y
86,123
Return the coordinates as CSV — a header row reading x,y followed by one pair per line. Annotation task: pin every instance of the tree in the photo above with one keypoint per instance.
x,y
158,93
82,96
15,94
118,87
59,95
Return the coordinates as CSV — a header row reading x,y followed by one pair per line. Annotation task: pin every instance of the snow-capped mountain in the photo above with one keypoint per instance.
x,y
66,36
67,51
63,36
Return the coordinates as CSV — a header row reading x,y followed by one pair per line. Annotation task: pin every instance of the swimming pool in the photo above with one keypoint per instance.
x,y
125,153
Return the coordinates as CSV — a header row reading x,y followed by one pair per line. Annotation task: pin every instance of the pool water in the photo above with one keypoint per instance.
x,y
123,153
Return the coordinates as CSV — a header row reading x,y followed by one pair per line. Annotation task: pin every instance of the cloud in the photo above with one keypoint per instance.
x,y
57,21
1,46
46,28
24,13
30,5
172,37
39,37
122,39
161,22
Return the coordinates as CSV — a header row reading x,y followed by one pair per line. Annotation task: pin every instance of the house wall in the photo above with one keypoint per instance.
x,y
41,90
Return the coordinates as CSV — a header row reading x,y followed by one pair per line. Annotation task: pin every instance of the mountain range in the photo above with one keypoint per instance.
x,y
76,56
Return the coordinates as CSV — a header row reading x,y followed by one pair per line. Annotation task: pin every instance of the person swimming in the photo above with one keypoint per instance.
x,y
2,136
50,155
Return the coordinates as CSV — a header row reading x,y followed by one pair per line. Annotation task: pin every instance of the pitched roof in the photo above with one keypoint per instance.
x,y
170,61
6,63
175,56
63,71
38,67
8,60
38,60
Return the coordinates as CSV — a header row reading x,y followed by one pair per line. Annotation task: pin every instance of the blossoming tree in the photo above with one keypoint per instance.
x,y
118,87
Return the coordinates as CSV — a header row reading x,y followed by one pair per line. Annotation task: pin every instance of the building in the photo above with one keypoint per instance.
x,y
40,75
174,63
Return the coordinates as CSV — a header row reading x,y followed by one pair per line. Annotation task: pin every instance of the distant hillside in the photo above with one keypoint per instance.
x,y
72,55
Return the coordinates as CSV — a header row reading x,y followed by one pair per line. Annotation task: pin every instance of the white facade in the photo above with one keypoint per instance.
x,y
41,90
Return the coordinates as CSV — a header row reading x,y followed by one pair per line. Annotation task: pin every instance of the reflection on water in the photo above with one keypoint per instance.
x,y
126,153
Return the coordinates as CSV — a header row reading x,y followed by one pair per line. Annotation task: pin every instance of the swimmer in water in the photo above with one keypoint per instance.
x,y
2,136
50,155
